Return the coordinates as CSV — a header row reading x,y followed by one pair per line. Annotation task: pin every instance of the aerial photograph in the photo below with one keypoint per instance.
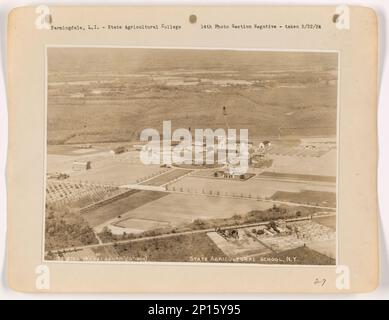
x,y
267,195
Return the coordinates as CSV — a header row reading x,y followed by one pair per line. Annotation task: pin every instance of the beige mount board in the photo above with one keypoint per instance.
x,y
292,209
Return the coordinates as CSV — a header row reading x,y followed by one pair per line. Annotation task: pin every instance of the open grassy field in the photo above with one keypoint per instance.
x,y
117,173
64,162
327,247
329,221
304,177
106,168
121,206
72,150
254,187
319,198
134,225
156,105
321,166
59,163
180,209
118,97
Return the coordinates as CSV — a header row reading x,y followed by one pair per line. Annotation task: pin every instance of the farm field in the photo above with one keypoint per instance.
x,y
301,151
310,231
192,207
144,104
105,166
322,166
134,225
104,125
118,173
319,198
296,234
131,156
121,206
304,177
166,177
72,150
64,163
326,247
78,194
328,221
254,187
59,163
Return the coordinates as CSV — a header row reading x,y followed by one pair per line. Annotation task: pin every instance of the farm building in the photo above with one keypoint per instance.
x,y
81,165
264,144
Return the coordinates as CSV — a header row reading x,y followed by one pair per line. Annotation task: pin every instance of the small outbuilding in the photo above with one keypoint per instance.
x,y
81,165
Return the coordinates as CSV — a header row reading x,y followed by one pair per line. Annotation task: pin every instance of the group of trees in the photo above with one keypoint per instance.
x,y
106,235
66,229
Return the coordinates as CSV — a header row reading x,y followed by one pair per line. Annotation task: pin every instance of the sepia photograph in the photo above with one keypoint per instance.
x,y
191,156
188,150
